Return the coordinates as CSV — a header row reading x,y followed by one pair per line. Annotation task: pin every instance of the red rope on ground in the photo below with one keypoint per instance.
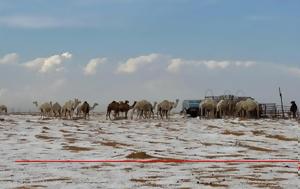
x,y
162,161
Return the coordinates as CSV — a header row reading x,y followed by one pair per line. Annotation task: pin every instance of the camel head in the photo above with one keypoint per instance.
x,y
35,103
76,103
95,104
174,105
134,103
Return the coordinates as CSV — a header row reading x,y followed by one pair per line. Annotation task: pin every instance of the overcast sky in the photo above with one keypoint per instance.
x,y
147,49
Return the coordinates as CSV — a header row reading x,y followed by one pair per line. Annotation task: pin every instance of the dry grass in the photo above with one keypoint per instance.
x,y
256,148
113,144
77,148
31,187
236,133
281,137
139,155
54,179
45,137
258,132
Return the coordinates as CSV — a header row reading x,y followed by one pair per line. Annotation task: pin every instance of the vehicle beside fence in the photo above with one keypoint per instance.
x,y
191,107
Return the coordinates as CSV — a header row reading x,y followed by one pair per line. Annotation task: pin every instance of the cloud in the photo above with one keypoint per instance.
x,y
44,65
9,58
293,71
175,65
91,67
3,91
133,64
57,84
36,22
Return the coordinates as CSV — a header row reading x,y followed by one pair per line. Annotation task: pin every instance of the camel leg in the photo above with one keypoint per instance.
x,y
109,115
125,115
161,114
106,115
132,113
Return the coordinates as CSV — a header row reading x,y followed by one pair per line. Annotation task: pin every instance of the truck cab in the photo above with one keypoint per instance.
x,y
191,107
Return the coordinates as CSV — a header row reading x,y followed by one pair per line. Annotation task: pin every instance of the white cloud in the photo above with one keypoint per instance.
x,y
3,91
57,84
294,71
9,58
175,65
133,64
36,21
44,65
212,64
91,67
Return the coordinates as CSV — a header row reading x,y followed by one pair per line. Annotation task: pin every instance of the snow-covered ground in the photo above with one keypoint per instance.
x,y
28,137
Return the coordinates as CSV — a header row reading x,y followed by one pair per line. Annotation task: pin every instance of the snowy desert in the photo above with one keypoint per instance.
x,y
29,137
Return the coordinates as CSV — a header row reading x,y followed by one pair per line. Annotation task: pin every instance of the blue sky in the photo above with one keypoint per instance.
x,y
114,32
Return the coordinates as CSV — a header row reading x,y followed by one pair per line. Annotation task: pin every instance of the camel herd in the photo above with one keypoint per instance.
x,y
144,109
48,109
229,107
209,108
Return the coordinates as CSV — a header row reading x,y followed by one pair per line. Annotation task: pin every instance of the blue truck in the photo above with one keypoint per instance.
x,y
191,107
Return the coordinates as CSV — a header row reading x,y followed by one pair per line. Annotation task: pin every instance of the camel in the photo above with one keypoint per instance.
x,y
222,107
125,107
85,108
144,108
113,106
3,108
226,107
238,108
56,110
45,108
148,110
208,108
69,107
165,107
249,106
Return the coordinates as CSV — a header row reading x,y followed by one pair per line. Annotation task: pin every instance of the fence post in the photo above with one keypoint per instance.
x,y
281,103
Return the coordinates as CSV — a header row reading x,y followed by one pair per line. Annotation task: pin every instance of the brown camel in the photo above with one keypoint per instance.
x,y
85,109
125,107
113,106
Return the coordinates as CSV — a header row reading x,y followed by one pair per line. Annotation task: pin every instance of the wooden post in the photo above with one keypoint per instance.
x,y
281,103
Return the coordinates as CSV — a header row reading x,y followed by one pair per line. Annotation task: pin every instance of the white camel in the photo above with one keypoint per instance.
x,y
226,107
238,109
56,110
142,107
165,107
208,108
69,108
249,106
45,108
148,110
3,108
222,107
